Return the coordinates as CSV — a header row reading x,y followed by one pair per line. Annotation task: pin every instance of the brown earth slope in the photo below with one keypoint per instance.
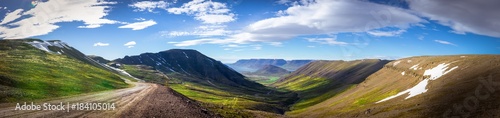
x,y
427,86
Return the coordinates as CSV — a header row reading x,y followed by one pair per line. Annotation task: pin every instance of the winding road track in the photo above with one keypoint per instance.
x,y
142,100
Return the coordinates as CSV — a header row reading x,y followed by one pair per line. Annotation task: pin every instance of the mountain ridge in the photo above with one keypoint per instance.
x,y
190,63
421,86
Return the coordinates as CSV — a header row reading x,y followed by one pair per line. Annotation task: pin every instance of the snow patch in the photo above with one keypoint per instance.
x,y
420,88
396,63
463,56
212,83
409,61
44,45
439,71
58,44
172,70
403,73
41,45
123,72
185,54
415,67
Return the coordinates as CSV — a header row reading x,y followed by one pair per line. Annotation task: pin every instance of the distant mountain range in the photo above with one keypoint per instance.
x,y
251,65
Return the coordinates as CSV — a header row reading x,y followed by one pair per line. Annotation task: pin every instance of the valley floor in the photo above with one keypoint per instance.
x,y
142,100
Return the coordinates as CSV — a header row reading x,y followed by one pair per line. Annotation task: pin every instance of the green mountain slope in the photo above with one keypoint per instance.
x,y
320,80
29,73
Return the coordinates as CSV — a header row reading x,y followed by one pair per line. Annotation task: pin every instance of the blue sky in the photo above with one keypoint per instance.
x,y
229,30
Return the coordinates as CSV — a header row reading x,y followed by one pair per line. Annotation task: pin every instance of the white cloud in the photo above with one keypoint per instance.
x,y
445,42
130,44
328,16
90,26
321,17
311,46
232,46
139,19
175,33
276,44
42,19
257,48
101,44
11,16
202,31
149,5
386,33
328,41
208,12
139,25
479,17
200,41
421,37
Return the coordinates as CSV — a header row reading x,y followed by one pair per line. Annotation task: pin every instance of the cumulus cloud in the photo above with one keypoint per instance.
x,y
101,44
42,19
130,44
139,25
149,5
208,12
322,17
478,17
444,42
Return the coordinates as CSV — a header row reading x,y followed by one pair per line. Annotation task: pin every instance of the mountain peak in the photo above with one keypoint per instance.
x,y
190,63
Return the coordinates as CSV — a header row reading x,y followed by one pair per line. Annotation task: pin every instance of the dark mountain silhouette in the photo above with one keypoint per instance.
x,y
189,63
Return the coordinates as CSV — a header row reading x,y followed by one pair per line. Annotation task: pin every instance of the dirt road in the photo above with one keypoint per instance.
x,y
142,100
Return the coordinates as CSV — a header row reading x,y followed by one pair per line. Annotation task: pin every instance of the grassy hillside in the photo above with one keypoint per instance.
x,y
27,73
420,87
320,80
264,80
